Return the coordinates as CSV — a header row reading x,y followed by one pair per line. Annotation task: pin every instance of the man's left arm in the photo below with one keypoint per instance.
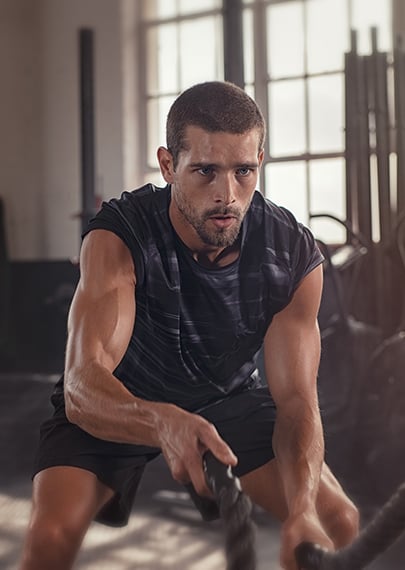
x,y
292,353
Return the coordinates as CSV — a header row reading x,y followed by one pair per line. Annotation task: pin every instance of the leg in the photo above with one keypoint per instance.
x,y
336,512
65,501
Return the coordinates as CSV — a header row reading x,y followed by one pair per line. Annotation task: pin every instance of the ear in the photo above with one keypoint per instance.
x,y
165,160
261,157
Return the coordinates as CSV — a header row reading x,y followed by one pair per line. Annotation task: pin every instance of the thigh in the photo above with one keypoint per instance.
x,y
68,495
114,465
265,488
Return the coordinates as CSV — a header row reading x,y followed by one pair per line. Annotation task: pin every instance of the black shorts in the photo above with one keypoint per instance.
x,y
245,421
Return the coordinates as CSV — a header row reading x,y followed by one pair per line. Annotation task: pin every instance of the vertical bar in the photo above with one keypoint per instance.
x,y
380,68
399,88
351,134
364,197
233,42
86,55
399,98
261,75
385,294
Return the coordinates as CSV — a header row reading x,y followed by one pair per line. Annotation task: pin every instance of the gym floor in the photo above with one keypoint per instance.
x,y
164,531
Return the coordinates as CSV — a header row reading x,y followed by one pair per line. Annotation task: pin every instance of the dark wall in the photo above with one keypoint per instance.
x,y
40,293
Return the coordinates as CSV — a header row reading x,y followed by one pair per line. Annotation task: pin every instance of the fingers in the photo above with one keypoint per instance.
x,y
209,440
187,437
295,531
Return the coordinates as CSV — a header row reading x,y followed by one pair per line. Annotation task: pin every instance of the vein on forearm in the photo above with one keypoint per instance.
x,y
299,447
101,405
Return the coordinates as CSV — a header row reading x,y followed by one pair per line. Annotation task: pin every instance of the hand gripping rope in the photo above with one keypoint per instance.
x,y
387,525
235,509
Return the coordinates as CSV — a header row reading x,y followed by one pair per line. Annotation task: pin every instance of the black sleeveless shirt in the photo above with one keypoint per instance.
x,y
197,331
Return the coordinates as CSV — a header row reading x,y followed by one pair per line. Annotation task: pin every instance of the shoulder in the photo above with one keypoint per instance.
x,y
287,244
276,223
140,200
134,213
104,254
272,212
137,218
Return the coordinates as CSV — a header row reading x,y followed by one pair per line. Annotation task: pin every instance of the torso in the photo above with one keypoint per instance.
x,y
199,324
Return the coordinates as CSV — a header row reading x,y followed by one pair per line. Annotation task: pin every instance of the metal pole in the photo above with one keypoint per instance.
x,y
364,196
385,295
351,133
233,42
86,54
399,83
379,77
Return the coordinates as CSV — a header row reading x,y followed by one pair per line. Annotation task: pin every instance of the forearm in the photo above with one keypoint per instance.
x,y
100,404
299,447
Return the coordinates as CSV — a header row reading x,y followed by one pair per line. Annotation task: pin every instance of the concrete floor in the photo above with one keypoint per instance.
x,y
164,531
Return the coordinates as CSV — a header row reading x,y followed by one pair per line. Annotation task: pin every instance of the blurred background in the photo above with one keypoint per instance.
x,y
85,89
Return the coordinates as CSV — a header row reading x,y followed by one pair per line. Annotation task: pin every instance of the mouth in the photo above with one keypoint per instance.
x,y
222,222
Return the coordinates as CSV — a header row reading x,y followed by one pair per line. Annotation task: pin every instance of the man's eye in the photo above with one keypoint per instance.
x,y
205,170
244,171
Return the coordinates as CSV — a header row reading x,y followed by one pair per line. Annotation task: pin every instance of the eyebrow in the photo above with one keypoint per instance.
x,y
214,165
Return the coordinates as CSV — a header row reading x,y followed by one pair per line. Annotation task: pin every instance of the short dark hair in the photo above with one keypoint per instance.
x,y
215,106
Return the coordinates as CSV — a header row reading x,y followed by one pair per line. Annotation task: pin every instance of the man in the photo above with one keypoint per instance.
x,y
179,288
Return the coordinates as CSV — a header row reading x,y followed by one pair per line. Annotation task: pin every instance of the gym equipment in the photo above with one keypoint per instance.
x,y
383,530
347,342
374,133
381,418
234,508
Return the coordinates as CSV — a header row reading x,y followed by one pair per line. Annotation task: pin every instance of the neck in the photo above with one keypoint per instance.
x,y
207,255
219,257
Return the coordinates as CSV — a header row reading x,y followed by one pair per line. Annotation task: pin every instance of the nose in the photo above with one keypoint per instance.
x,y
226,190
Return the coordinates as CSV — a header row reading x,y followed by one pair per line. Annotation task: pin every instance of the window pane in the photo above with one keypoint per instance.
x,y
189,6
200,61
157,113
328,37
154,9
250,90
285,46
248,44
326,120
287,118
286,186
162,47
155,178
160,9
372,13
327,196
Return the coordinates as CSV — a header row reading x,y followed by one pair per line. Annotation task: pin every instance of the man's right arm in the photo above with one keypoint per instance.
x,y
100,325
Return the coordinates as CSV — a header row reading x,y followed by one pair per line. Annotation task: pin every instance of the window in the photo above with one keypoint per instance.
x,y
176,56
294,67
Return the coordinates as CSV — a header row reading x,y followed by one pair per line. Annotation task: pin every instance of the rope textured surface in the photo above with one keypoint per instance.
x,y
235,509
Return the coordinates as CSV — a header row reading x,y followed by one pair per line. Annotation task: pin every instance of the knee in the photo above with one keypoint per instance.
x,y
49,540
343,523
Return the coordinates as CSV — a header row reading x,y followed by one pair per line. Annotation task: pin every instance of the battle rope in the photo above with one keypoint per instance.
x,y
384,529
235,509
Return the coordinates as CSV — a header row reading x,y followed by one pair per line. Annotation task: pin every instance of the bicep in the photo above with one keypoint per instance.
x,y
292,344
102,313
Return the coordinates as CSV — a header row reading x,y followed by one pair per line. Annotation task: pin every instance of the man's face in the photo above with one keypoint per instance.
x,y
213,184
